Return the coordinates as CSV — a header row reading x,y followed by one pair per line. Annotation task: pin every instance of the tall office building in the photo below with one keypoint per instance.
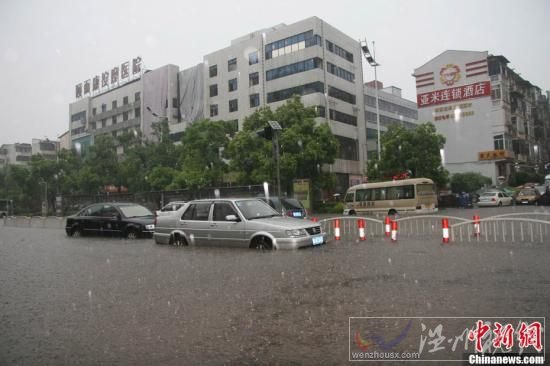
x,y
309,58
393,109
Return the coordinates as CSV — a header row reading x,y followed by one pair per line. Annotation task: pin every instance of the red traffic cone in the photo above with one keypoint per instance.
x,y
336,229
393,230
361,227
445,226
387,225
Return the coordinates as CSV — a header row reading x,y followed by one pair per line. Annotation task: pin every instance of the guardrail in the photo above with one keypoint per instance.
x,y
500,228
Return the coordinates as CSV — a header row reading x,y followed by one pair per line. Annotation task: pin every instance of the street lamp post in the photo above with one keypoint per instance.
x,y
372,62
160,118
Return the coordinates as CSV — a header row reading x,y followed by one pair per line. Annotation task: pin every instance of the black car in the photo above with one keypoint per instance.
x,y
128,220
287,206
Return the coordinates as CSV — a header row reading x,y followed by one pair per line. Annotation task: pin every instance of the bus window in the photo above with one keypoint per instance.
x,y
361,195
349,197
379,194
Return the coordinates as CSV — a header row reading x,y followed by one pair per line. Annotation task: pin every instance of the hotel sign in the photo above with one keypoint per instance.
x,y
495,155
117,76
450,95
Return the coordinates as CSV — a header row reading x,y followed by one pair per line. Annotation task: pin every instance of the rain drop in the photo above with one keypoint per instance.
x,y
389,261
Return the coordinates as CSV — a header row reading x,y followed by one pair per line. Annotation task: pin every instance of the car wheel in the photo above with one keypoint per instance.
x,y
76,232
131,234
500,204
262,243
178,241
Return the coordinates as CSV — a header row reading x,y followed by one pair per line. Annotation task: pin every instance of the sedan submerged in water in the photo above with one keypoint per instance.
x,y
128,220
250,223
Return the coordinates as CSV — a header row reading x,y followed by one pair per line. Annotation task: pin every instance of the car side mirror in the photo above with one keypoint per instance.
x,y
232,218
118,217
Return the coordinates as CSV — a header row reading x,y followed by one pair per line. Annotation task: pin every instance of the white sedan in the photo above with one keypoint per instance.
x,y
494,199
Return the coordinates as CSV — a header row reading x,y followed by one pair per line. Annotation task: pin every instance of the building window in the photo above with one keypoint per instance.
x,y
494,68
233,105
125,116
253,58
103,123
137,112
213,110
232,85
213,70
104,107
343,117
339,51
114,104
93,111
348,148
291,44
113,120
137,96
341,73
175,103
124,100
254,100
253,79
279,72
342,95
495,92
232,64
498,142
311,88
213,90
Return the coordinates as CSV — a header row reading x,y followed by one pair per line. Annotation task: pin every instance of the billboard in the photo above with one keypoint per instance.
x,y
117,76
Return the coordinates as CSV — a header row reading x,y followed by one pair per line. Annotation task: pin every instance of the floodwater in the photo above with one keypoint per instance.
x,y
115,301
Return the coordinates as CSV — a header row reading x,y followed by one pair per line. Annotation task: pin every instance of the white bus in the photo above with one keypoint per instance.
x,y
417,195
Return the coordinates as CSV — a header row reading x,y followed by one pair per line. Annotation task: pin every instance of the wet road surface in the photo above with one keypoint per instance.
x,y
115,301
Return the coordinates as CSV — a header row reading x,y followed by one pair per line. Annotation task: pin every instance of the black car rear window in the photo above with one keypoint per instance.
x,y
291,203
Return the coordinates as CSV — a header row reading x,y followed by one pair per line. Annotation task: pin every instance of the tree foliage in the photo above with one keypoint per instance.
x,y
468,182
305,146
415,150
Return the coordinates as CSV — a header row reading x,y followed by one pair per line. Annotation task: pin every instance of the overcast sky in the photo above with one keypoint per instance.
x,y
47,47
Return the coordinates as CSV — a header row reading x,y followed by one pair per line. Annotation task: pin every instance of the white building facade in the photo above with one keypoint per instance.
x,y
486,112
309,58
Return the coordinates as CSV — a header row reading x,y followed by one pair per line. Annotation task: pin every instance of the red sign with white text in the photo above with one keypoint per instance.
x,y
471,91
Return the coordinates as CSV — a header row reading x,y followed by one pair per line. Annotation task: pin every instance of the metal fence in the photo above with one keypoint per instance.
x,y
514,227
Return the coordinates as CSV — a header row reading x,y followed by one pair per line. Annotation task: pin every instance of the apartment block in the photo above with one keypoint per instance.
x,y
494,120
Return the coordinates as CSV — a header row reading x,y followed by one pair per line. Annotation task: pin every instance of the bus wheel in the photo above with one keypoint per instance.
x,y
352,213
392,212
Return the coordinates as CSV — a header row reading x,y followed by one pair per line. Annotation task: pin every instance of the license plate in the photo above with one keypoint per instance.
x,y
297,214
525,202
317,240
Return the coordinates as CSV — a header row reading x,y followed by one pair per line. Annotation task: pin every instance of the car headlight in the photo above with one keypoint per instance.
x,y
150,227
296,232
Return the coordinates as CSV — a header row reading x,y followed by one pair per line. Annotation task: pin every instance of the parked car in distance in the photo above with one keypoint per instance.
x,y
128,220
170,208
237,222
494,199
528,196
287,206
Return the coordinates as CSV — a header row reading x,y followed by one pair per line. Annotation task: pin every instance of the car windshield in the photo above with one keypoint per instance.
x,y
255,209
135,211
527,192
291,203
489,194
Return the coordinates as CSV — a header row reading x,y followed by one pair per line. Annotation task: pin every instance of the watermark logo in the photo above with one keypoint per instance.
x,y
446,339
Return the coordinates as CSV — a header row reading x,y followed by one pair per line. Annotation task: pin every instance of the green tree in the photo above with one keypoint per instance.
x,y
201,161
468,182
305,146
416,150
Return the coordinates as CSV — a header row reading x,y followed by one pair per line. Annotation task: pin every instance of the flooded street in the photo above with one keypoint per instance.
x,y
114,301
